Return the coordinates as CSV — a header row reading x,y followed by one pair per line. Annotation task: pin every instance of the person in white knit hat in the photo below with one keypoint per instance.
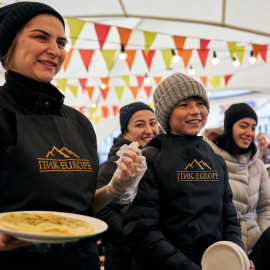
x,y
184,200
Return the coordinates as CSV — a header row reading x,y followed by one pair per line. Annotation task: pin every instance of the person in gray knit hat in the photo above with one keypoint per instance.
x,y
48,150
184,201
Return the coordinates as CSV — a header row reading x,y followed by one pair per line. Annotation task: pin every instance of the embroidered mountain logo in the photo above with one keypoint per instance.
x,y
63,160
197,171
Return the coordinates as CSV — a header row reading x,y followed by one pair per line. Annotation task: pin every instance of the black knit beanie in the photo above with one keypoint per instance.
x,y
236,112
14,16
128,110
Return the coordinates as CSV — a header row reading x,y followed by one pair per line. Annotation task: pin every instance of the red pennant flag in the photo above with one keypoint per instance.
x,y
104,92
105,111
203,53
148,90
263,52
140,81
102,32
204,43
149,57
86,56
115,109
124,34
83,83
227,78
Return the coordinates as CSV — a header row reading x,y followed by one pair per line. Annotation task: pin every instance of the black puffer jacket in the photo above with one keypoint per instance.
x,y
173,219
116,250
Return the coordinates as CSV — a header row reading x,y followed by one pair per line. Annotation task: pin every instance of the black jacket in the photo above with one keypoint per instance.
x,y
168,226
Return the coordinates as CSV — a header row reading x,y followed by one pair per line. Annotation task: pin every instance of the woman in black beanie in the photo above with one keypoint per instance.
x,y
248,179
48,151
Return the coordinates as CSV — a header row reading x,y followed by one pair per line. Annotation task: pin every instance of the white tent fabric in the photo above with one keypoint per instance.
x,y
245,22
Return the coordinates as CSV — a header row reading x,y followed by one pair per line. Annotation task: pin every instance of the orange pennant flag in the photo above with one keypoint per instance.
x,y
90,90
68,56
104,92
86,56
227,78
119,90
102,32
115,109
186,54
157,80
204,80
108,56
256,48
134,90
148,90
148,58
140,81
203,53
124,34
83,83
105,80
105,111
179,42
130,57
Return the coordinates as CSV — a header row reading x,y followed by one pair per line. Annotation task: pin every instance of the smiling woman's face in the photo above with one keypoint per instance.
x,y
39,48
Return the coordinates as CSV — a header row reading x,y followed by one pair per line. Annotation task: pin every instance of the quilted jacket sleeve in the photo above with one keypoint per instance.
x,y
142,227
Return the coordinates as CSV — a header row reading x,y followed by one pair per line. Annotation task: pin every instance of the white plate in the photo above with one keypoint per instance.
x,y
100,225
224,255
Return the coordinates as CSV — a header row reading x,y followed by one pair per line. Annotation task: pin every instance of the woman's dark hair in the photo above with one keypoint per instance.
x,y
226,142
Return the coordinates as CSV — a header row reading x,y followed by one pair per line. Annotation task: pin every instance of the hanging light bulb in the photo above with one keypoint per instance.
x,y
191,71
122,54
215,59
236,62
67,47
146,79
252,59
176,57
103,86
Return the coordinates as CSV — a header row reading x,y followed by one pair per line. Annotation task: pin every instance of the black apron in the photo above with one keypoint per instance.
x,y
191,194
53,167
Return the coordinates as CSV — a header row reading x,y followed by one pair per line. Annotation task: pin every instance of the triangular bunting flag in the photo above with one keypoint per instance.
x,y
204,43
92,110
134,91
203,53
238,50
124,34
256,48
68,56
83,83
119,90
157,80
75,28
115,109
186,54
90,90
108,56
140,80
149,38
102,32
227,78
179,42
204,80
148,90
86,56
130,57
126,80
167,57
263,52
148,58
62,84
105,111
216,81
105,81
97,119
73,89
104,92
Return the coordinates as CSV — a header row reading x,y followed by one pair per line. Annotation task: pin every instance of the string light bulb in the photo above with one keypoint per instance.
x,y
176,57
236,62
122,54
146,79
103,86
192,71
215,59
67,47
252,59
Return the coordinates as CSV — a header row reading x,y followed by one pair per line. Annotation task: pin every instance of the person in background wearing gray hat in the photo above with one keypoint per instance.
x,y
48,151
248,178
138,124
184,201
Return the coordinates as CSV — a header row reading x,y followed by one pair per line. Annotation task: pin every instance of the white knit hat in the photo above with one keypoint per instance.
x,y
171,91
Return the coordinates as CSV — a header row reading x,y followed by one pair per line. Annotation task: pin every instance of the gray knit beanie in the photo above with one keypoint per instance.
x,y
171,91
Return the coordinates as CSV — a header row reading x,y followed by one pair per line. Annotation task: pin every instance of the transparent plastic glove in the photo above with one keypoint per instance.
x,y
130,170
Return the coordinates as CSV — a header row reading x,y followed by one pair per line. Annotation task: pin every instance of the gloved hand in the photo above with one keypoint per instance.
x,y
130,170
